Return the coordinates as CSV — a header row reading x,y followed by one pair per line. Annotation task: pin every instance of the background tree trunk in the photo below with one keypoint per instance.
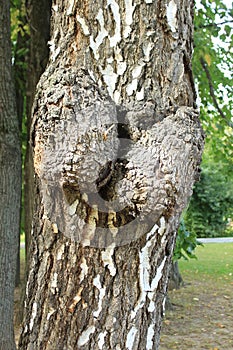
x,y
175,278
10,183
37,60
117,143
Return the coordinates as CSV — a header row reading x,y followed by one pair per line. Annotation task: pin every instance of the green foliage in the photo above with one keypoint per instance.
x,y
211,205
186,243
20,43
213,67
19,32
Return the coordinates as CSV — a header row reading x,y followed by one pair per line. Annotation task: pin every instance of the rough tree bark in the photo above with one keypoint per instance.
x,y
10,182
117,143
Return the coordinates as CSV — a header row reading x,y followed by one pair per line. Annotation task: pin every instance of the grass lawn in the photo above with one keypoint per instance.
x,y
213,260
202,315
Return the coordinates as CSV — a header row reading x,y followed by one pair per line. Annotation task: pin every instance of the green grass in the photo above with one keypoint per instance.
x,y
213,259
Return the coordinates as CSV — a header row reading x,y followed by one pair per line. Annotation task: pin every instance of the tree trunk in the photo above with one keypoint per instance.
x,y
117,143
10,183
175,278
38,58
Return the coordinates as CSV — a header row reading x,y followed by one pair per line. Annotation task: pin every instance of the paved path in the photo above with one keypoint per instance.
x,y
216,240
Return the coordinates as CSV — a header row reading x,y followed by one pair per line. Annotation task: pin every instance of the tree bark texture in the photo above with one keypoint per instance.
x,y
117,144
10,183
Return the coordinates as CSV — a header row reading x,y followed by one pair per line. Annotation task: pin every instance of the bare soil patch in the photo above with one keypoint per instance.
x,y
202,315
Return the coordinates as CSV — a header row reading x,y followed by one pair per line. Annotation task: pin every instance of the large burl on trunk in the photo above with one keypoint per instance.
x,y
117,144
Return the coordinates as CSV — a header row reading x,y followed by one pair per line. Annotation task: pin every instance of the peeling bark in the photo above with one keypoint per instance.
x,y
117,143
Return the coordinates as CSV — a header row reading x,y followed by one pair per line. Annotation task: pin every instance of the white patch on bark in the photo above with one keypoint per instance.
x,y
121,68
117,96
86,242
45,217
156,279
110,78
92,75
129,10
162,228
107,259
84,270
83,25
132,87
55,8
94,45
70,8
53,285
110,59
34,312
151,307
115,66
130,338
101,340
116,15
146,287
150,335
50,313
89,228
55,228
137,71
102,291
60,252
73,207
85,336
134,84
144,268
171,15
148,1
147,48
150,32
140,94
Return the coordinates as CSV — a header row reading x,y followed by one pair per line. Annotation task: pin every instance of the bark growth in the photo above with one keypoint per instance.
x,y
117,144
